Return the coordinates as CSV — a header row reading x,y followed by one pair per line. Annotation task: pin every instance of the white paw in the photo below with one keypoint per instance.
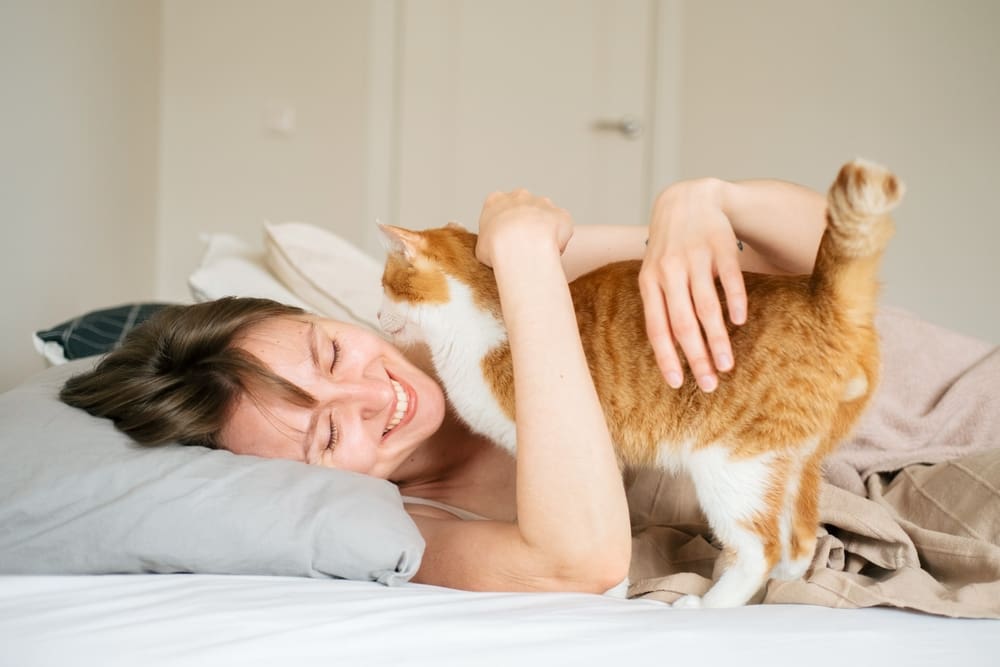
x,y
790,570
722,600
687,602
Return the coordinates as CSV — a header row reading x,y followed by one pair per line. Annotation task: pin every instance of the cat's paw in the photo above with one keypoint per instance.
x,y
687,602
791,570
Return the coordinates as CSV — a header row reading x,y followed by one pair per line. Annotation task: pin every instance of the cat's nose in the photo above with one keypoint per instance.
x,y
391,323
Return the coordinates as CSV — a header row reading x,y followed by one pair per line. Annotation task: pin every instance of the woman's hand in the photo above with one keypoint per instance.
x,y
520,217
691,242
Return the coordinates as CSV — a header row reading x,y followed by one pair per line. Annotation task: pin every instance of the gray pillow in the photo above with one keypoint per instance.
x,y
78,497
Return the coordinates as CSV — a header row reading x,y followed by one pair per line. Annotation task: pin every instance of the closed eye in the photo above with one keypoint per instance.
x,y
336,353
331,443
334,434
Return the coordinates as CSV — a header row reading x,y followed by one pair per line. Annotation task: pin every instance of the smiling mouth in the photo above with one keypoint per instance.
x,y
402,406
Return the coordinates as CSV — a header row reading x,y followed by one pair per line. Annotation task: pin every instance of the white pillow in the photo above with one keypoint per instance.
x,y
52,352
231,267
336,278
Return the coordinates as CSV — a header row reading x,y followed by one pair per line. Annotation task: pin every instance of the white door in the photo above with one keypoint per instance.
x,y
551,95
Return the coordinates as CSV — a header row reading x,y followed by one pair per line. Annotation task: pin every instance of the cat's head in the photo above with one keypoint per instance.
x,y
427,271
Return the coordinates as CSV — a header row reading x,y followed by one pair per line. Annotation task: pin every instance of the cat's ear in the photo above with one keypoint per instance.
x,y
402,241
455,225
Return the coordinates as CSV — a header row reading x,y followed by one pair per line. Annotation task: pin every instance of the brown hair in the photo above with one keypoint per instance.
x,y
176,377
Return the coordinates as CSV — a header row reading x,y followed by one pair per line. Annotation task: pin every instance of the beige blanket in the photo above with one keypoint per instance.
x,y
911,506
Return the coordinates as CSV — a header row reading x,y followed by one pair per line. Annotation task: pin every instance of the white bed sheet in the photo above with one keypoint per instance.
x,y
154,620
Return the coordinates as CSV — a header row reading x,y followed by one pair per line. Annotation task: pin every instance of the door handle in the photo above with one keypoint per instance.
x,y
628,126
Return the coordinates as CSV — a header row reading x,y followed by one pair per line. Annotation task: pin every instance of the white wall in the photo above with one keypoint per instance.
x,y
783,88
791,89
227,66
78,118
125,133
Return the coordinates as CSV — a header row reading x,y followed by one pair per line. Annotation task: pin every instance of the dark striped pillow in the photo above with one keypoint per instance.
x,y
98,331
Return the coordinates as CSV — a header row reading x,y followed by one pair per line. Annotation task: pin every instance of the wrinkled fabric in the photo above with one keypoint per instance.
x,y
910,510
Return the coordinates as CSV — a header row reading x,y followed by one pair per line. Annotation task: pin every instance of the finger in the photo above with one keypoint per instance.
x,y
686,329
731,278
709,311
658,331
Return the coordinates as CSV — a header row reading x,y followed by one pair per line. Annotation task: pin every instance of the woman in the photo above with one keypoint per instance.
x,y
258,378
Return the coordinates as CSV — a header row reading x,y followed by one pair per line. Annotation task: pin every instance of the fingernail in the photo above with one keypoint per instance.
x,y
739,315
707,383
724,362
674,379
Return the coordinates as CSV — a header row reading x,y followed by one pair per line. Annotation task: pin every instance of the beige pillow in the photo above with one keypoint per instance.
x,y
336,278
230,267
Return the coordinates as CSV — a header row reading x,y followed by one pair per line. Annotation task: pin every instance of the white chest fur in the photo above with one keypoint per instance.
x,y
460,335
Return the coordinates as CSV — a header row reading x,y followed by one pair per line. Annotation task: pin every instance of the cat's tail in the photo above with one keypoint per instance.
x,y
857,231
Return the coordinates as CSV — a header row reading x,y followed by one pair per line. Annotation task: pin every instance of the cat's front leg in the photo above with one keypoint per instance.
x,y
734,493
687,602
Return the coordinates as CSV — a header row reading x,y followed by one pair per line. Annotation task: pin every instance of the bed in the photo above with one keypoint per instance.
x,y
155,620
115,555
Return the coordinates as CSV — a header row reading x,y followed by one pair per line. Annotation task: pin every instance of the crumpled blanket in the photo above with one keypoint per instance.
x,y
910,508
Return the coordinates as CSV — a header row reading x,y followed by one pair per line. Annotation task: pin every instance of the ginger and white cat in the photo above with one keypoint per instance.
x,y
807,361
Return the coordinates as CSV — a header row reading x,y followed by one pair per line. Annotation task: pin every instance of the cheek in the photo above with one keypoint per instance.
x,y
352,456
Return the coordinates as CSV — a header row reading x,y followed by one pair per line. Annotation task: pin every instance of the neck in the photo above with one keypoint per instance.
x,y
462,469
450,448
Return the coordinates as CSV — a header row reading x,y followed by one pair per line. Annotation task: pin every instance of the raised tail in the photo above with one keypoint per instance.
x,y
857,231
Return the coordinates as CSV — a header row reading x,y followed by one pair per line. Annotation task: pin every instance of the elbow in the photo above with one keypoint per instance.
x,y
601,561
601,580
607,580
590,573
613,572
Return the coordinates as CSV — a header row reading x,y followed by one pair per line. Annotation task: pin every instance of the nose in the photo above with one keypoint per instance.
x,y
370,396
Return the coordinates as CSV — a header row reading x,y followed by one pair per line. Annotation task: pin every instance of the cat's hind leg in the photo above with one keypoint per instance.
x,y
742,499
800,518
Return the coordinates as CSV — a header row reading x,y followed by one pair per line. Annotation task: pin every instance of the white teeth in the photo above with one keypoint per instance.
x,y
402,402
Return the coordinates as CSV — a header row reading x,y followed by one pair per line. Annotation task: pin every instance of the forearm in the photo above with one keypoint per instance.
x,y
596,245
570,502
781,221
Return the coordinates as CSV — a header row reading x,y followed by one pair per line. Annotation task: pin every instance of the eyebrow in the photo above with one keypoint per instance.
x,y
313,350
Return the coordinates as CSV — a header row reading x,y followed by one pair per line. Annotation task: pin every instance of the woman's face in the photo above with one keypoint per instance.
x,y
373,406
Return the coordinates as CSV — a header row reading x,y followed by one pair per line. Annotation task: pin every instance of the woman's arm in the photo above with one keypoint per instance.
x,y
782,222
779,223
572,530
694,236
